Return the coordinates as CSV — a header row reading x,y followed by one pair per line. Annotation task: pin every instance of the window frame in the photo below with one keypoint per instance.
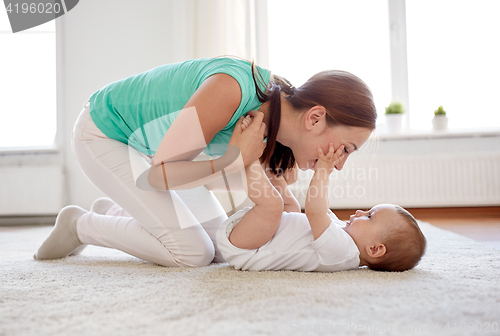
x,y
399,56
56,147
400,81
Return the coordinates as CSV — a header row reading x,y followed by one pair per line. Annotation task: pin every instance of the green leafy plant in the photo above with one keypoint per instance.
x,y
394,108
440,111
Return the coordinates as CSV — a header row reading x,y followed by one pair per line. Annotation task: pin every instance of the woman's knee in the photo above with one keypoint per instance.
x,y
201,255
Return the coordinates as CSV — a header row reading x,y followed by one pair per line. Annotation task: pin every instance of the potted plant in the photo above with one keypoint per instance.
x,y
394,117
440,120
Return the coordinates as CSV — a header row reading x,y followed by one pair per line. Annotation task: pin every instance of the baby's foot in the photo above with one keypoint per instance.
x,y
63,240
246,122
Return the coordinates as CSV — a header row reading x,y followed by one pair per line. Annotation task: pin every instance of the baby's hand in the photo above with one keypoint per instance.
x,y
329,160
246,122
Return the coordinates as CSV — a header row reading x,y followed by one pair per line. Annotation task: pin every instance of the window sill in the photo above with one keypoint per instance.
x,y
446,134
26,150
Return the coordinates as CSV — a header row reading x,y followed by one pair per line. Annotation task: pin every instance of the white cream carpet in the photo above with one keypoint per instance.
x,y
454,291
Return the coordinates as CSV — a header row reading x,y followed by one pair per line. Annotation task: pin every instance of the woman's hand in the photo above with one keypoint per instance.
x,y
250,140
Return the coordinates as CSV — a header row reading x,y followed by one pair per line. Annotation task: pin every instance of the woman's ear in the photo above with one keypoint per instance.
x,y
315,115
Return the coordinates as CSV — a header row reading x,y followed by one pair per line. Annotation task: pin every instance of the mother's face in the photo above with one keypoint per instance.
x,y
305,151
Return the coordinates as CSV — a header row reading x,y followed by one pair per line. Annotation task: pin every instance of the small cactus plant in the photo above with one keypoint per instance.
x,y
440,120
440,111
394,108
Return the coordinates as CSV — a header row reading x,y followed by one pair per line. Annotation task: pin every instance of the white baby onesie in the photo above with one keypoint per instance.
x,y
292,247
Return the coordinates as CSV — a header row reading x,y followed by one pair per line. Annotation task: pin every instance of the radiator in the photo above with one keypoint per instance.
x,y
412,181
31,190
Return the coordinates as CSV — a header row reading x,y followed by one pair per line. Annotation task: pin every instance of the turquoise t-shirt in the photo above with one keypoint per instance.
x,y
139,110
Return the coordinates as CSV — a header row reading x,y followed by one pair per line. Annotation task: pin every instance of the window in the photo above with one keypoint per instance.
x,y
452,51
306,37
453,60
27,85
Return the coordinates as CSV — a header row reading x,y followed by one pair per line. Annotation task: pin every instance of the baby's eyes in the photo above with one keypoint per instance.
x,y
346,151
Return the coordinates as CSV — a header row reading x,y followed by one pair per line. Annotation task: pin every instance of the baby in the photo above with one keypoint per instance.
x,y
267,237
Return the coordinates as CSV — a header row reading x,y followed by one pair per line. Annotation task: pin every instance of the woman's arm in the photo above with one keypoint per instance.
x,y
206,113
317,204
178,175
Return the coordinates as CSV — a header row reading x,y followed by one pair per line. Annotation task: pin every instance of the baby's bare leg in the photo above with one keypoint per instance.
x,y
259,224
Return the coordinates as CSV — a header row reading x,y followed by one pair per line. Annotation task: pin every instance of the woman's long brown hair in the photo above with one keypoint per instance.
x,y
347,99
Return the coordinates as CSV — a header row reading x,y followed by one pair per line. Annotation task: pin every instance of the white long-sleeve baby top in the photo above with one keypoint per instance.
x,y
293,247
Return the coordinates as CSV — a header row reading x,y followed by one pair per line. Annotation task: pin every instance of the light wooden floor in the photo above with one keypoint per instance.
x,y
481,224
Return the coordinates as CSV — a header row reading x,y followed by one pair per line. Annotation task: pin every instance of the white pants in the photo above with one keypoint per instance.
x,y
148,226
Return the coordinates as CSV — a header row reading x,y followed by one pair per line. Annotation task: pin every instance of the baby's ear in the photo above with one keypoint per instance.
x,y
376,251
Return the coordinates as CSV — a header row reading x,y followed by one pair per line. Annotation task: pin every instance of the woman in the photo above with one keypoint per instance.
x,y
150,127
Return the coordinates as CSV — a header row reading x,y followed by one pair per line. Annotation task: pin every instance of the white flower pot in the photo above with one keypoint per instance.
x,y
394,122
440,122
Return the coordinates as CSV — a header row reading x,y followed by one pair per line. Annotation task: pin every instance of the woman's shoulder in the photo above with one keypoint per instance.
x,y
228,62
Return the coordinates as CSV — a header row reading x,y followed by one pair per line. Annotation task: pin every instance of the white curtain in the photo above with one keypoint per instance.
x,y
208,28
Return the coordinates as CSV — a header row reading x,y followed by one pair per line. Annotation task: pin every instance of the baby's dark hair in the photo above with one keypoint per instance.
x,y
405,245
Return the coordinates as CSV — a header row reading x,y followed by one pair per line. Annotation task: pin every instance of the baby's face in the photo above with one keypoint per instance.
x,y
368,227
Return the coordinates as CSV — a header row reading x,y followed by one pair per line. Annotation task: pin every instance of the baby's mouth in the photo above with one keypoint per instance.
x,y
314,164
